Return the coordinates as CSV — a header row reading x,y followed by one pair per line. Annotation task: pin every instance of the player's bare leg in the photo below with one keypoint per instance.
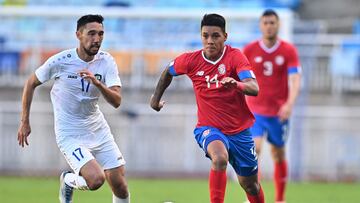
x,y
217,178
280,172
252,188
91,178
258,146
244,181
93,175
116,179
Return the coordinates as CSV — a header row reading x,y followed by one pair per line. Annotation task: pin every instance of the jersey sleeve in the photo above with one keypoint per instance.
x,y
293,65
243,67
49,70
112,77
180,65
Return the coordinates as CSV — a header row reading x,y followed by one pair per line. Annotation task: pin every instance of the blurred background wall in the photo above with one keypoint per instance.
x,y
143,36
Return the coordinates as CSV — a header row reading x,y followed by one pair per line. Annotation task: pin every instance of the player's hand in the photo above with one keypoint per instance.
x,y
284,112
23,133
156,105
89,76
228,82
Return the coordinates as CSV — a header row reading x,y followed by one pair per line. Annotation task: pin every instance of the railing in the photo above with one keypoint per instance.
x,y
322,144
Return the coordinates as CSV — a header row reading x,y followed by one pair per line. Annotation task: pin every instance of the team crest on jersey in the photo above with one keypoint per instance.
x,y
206,132
222,69
279,60
258,59
98,77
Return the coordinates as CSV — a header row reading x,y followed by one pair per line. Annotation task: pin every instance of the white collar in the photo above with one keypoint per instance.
x,y
213,62
271,49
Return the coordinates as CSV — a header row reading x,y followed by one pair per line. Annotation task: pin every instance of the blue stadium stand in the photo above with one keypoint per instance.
x,y
345,66
9,62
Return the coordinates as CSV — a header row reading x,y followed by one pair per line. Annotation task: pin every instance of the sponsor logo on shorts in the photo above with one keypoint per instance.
x,y
119,158
206,132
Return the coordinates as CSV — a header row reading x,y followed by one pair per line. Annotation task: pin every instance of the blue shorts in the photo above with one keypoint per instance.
x,y
241,148
276,131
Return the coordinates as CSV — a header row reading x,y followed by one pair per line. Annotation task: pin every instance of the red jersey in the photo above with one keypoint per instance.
x,y
219,107
271,67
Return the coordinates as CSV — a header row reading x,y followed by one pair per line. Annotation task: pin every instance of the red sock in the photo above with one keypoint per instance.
x,y
280,178
259,198
217,186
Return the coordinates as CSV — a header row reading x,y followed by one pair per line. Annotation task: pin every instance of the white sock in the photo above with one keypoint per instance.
x,y
75,181
118,200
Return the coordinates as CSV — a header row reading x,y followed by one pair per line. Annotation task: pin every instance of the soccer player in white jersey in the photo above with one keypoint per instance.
x,y
81,75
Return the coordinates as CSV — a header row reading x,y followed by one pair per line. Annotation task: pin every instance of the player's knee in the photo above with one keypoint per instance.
x,y
258,151
96,182
219,161
251,188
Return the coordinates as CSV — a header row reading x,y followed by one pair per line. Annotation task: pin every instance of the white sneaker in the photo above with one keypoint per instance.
x,y
65,191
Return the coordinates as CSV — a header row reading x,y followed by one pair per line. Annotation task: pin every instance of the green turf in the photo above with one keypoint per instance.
x,y
35,190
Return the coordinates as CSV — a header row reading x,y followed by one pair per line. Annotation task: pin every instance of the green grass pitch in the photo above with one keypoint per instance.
x,y
45,190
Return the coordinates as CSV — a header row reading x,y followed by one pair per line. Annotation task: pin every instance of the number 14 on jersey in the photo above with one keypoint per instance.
x,y
213,80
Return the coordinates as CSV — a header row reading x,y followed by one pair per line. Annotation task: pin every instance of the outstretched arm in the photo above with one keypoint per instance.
x,y
163,83
248,86
28,93
111,94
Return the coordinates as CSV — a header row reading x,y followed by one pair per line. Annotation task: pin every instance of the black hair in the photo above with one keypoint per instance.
x,y
83,20
270,12
213,20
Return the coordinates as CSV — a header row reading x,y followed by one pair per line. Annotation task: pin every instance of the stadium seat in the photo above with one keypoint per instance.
x,y
25,57
356,26
124,61
9,62
45,54
157,60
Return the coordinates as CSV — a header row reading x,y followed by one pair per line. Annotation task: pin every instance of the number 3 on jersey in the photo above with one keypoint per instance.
x,y
212,80
268,68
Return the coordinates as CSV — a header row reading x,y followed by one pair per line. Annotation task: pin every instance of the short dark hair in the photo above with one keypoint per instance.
x,y
83,20
270,12
213,19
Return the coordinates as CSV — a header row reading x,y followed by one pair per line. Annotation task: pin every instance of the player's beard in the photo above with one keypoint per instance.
x,y
91,53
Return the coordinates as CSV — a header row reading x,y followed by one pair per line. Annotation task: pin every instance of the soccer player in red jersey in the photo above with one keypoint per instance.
x,y
221,77
276,66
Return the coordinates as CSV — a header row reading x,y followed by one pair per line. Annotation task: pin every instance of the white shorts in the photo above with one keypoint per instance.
x,y
79,149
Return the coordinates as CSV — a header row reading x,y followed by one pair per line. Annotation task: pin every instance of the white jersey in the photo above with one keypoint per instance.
x,y
75,100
